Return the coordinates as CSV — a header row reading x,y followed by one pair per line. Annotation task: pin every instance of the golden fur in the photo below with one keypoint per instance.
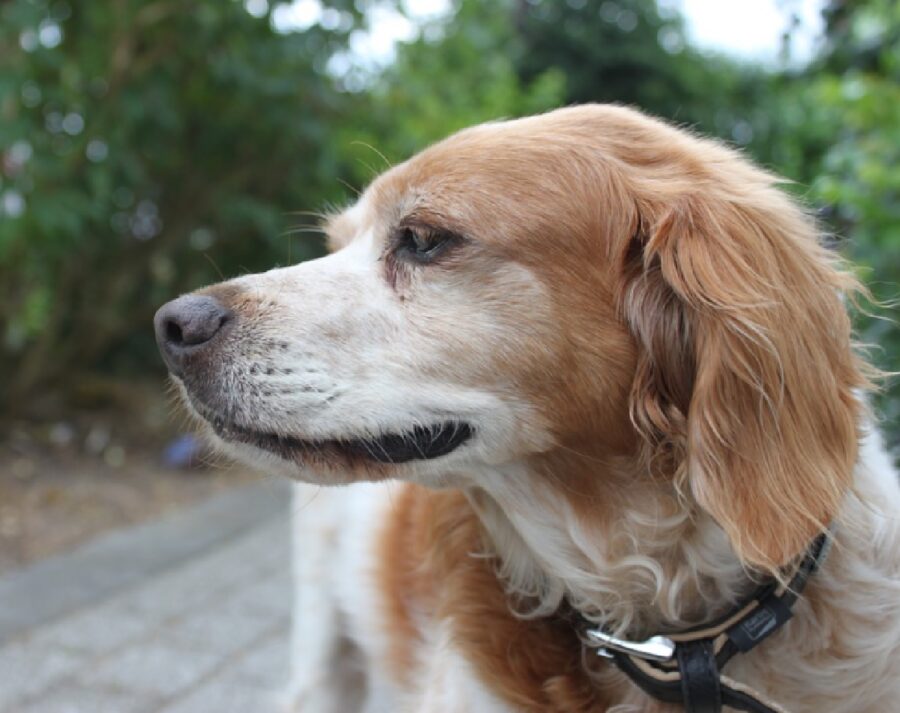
x,y
674,410
711,275
718,299
742,391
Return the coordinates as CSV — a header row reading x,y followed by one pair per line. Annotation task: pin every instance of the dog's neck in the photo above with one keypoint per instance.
x,y
620,546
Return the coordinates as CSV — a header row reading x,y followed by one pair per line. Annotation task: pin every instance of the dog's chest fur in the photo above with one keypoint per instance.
x,y
414,586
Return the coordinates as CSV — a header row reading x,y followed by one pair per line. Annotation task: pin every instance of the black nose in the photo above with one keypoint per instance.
x,y
186,325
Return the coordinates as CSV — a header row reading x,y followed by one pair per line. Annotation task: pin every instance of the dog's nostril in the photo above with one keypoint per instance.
x,y
173,333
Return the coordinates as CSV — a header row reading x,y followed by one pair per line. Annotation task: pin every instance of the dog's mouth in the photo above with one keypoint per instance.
x,y
417,443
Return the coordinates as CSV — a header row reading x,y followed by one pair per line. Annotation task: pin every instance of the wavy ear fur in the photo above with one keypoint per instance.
x,y
745,382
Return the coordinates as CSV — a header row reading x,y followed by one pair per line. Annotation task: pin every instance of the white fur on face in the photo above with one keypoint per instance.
x,y
330,349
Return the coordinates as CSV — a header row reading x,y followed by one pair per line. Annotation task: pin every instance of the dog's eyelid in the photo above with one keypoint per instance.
x,y
427,229
421,243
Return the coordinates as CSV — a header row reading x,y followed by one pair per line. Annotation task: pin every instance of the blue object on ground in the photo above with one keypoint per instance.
x,y
183,452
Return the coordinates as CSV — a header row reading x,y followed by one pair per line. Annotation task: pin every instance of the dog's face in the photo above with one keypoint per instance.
x,y
589,280
440,333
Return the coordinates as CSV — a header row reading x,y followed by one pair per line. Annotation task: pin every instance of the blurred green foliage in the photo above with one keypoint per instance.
x,y
856,88
138,135
143,140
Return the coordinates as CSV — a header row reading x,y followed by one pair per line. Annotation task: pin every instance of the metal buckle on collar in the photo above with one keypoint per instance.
x,y
656,648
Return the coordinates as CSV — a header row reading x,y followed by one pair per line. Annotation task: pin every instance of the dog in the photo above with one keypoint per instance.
x,y
583,369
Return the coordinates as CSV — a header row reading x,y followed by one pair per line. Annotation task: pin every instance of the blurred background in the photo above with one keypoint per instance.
x,y
148,147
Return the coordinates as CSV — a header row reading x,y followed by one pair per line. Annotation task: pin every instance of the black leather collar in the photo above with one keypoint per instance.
x,y
685,667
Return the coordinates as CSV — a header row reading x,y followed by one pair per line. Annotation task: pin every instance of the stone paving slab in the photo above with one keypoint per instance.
x,y
57,585
201,630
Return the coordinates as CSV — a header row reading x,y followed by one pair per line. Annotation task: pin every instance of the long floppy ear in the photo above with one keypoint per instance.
x,y
746,372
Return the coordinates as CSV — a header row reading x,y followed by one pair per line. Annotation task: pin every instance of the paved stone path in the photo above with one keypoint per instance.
x,y
186,615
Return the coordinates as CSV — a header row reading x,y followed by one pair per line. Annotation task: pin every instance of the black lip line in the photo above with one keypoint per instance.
x,y
418,443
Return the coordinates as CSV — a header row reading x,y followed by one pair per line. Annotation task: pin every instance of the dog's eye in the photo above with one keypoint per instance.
x,y
421,244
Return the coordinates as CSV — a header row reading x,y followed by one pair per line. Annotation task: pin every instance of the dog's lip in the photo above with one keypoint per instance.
x,y
417,442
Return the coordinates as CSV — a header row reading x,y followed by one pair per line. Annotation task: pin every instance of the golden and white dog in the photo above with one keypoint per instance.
x,y
580,361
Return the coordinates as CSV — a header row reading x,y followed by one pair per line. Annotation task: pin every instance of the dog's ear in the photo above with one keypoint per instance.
x,y
746,373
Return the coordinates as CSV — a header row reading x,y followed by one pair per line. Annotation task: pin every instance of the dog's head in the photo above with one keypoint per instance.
x,y
590,280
